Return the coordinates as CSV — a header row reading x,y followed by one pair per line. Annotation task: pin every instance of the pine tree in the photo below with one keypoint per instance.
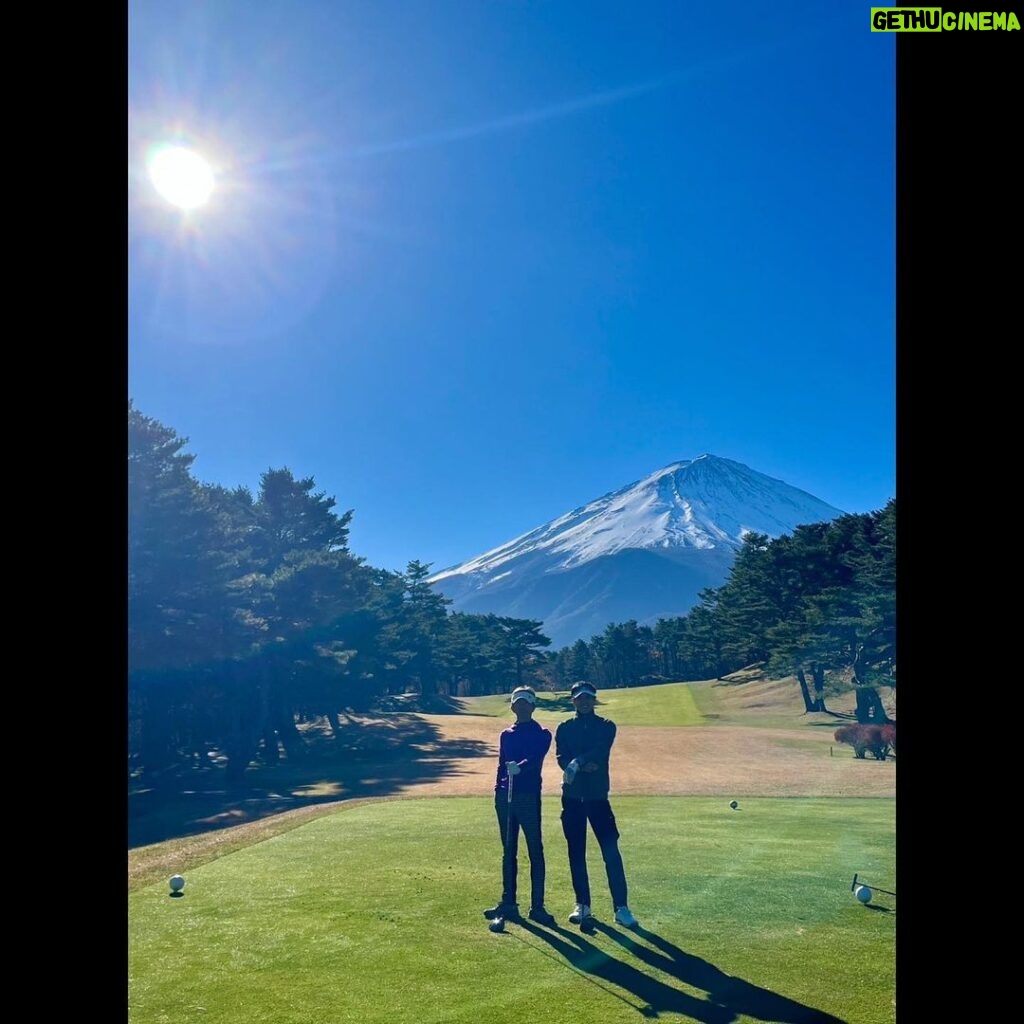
x,y
521,638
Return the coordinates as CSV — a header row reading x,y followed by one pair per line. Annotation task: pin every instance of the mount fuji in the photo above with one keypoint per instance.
x,y
642,552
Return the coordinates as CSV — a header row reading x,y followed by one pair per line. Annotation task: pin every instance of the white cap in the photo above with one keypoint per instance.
x,y
523,693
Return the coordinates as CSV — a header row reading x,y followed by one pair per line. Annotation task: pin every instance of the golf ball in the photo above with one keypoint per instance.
x,y
177,883
733,804
863,893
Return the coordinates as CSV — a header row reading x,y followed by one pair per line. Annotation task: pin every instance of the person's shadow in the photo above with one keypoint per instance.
x,y
727,997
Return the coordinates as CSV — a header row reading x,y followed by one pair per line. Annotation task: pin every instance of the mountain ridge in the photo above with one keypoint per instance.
x,y
689,518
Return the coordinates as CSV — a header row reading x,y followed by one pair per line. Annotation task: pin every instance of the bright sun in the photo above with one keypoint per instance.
x,y
180,175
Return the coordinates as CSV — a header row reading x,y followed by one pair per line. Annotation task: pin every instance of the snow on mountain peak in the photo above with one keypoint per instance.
x,y
702,503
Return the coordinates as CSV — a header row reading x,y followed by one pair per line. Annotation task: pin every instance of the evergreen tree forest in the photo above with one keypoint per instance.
x,y
249,615
821,600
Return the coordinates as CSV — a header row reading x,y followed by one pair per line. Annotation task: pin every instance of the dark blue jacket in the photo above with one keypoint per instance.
x,y
587,738
526,743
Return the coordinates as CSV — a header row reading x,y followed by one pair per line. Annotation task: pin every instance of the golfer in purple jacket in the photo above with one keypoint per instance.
x,y
517,788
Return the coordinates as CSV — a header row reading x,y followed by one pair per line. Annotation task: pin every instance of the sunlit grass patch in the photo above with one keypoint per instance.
x,y
373,914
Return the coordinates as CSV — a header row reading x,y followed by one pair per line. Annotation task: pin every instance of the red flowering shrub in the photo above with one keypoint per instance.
x,y
876,738
889,735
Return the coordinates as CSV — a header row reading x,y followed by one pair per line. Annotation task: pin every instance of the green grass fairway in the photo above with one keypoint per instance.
x,y
372,914
666,704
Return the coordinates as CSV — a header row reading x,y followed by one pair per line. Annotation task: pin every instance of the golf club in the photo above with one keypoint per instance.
x,y
873,888
498,924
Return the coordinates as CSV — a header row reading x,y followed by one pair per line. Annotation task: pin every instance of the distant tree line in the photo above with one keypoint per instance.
x,y
819,600
247,614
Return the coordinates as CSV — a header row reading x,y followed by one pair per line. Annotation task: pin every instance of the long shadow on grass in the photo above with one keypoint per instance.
x,y
655,996
734,995
383,757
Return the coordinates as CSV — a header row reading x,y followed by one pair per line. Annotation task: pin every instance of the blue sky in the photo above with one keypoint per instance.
x,y
473,264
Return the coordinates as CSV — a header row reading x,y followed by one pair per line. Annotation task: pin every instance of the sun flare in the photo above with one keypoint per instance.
x,y
180,175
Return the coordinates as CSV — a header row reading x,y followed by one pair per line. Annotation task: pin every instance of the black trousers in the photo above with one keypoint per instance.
x,y
575,815
524,813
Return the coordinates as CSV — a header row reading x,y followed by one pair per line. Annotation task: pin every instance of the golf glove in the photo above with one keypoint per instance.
x,y
513,768
570,771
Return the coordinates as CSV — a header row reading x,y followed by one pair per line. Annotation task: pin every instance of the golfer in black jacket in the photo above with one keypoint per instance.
x,y
582,747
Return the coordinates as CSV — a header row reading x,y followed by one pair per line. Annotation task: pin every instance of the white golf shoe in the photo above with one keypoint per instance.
x,y
580,913
624,916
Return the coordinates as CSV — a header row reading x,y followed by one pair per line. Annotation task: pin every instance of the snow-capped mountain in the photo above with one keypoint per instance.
x,y
642,552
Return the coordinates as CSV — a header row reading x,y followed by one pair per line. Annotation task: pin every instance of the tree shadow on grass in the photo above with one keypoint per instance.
x,y
734,995
562,704
420,703
555,702
373,758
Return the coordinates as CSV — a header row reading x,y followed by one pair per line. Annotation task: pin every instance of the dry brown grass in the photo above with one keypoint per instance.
x,y
761,744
